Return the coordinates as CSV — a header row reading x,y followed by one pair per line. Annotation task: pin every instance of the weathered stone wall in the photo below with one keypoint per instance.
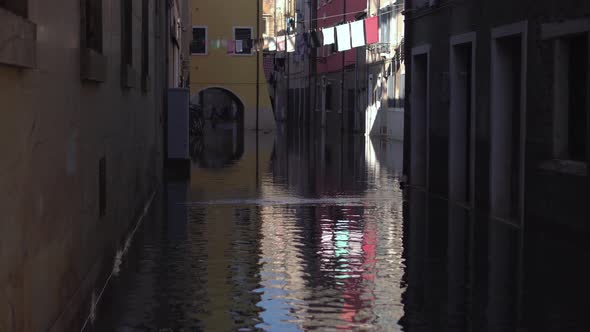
x,y
554,195
55,248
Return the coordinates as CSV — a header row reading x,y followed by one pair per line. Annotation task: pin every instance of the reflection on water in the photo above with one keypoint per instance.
x,y
315,234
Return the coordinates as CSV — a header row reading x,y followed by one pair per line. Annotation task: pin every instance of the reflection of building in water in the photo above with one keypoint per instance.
x,y
320,166
283,270
241,173
463,273
231,269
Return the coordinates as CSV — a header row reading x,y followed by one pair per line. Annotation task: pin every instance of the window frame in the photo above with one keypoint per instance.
x,y
145,45
129,76
86,18
127,36
206,28
251,35
558,35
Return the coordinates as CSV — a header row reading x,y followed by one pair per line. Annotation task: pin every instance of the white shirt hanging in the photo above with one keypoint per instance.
x,y
328,36
357,32
343,35
272,44
291,43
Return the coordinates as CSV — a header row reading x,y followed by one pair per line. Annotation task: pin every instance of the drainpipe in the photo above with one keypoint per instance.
x,y
308,112
356,86
287,65
166,41
342,79
258,63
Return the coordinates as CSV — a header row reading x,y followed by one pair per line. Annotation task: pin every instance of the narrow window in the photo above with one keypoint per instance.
x,y
506,112
199,42
145,44
102,187
419,111
18,7
384,24
243,38
577,101
92,23
391,89
570,108
460,137
329,97
127,32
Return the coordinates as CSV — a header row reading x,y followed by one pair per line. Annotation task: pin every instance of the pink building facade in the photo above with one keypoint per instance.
x,y
330,13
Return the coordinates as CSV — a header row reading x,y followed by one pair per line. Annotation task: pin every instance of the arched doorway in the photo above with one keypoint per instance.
x,y
221,140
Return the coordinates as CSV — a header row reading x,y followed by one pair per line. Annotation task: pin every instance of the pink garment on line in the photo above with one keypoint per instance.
x,y
372,30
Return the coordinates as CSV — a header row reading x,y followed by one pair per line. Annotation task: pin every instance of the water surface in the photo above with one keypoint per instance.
x,y
282,233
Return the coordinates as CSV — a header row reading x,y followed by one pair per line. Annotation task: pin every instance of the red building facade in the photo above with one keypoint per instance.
x,y
330,13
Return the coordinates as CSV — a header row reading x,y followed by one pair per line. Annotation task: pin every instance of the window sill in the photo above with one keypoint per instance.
x,y
18,40
128,77
569,167
94,66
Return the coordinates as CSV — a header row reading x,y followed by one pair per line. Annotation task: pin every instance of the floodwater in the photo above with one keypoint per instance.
x,y
282,233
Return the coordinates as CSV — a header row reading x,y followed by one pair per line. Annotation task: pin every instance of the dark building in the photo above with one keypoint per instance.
x,y
497,106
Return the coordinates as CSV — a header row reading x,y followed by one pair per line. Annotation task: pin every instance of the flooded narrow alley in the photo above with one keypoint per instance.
x,y
311,234
305,238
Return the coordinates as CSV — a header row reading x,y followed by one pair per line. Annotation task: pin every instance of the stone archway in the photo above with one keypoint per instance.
x,y
223,135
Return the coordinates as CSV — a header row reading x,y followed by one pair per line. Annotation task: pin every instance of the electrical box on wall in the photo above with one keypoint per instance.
x,y
178,139
178,122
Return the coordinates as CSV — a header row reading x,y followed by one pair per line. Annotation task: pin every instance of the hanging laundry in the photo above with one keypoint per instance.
x,y
272,44
328,34
281,44
372,30
316,39
300,45
343,37
291,43
306,40
231,47
258,44
239,46
357,32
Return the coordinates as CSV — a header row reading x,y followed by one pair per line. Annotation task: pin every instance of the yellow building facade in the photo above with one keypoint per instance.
x,y
215,25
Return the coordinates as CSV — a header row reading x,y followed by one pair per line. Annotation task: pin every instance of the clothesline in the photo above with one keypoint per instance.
x,y
344,36
284,35
351,13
